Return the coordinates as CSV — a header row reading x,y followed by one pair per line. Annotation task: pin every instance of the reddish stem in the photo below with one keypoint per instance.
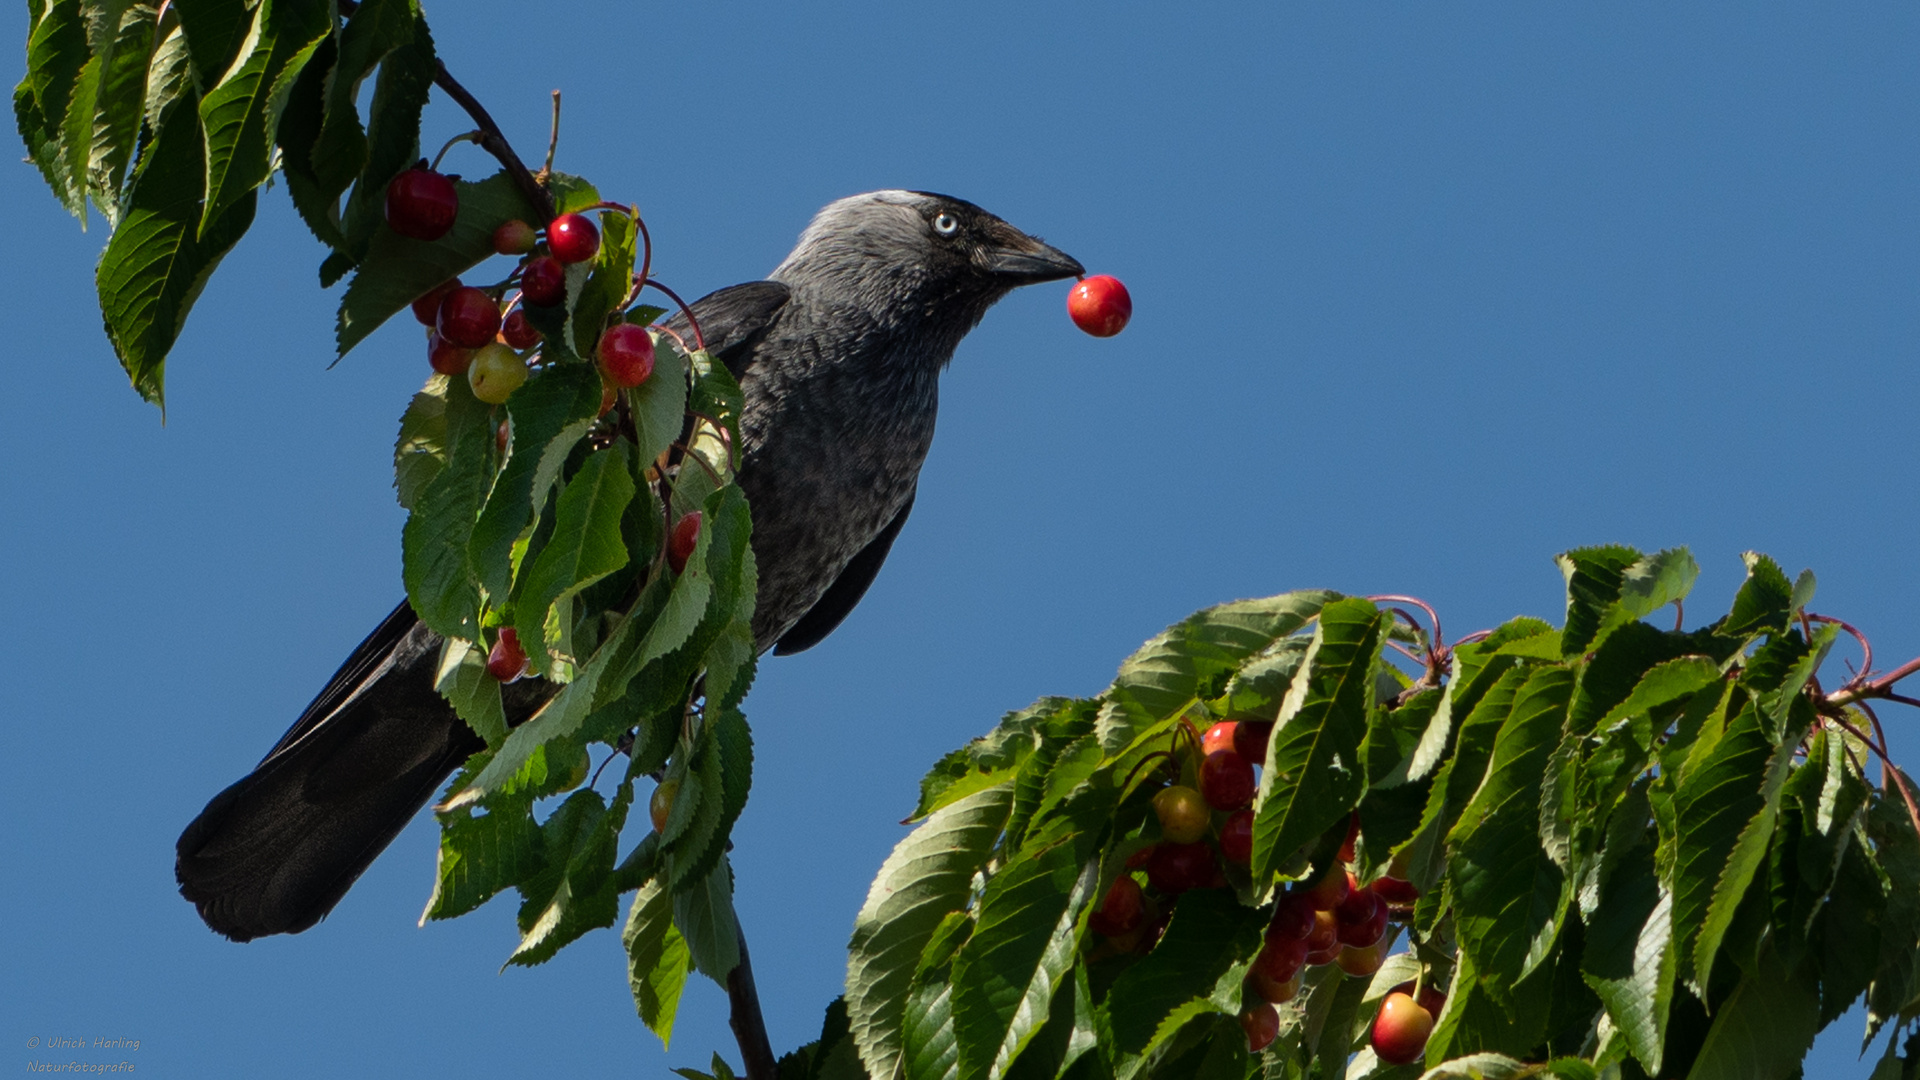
x,y
699,339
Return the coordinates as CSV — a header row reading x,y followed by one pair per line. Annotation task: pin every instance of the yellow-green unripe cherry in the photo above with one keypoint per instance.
x,y
496,372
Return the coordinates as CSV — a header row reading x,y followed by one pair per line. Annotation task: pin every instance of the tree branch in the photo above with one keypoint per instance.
x,y
749,1027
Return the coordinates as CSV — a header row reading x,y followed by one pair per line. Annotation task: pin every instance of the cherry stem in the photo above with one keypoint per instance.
x,y
699,339
1866,647
1679,615
687,453
1432,615
471,136
1860,689
1476,636
674,334
1157,755
733,455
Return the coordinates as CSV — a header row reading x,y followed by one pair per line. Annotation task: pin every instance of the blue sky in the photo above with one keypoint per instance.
x,y
1424,294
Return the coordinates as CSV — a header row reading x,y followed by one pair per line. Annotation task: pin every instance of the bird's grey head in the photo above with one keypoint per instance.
x,y
916,258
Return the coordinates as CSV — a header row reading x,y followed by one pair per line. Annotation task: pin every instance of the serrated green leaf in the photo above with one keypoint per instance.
x,y
397,269
988,761
586,546
928,875
658,406
1508,894
393,136
56,54
574,893
1184,664
1459,777
548,416
103,120
1313,774
704,914
158,260
216,30
374,30
433,544
1210,932
1763,1030
420,452
657,959
1663,684
1595,577
481,855
1630,960
606,285
1896,983
240,113
474,694
928,1048
1764,602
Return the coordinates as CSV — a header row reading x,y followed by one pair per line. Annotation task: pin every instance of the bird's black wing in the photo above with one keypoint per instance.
x,y
366,657
846,591
733,320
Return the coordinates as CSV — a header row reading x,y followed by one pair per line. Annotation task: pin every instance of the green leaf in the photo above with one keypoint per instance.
x,y
1630,960
103,121
1897,982
928,875
474,694
482,855
657,959
1193,658
658,407
433,544
1663,684
1764,1030
371,34
704,914
1724,813
1460,775
1210,932
549,415
241,112
988,761
1508,894
1764,603
393,135
1595,577
215,31
929,1051
421,450
397,269
1313,773
159,259
586,546
606,285
575,893
1006,975
56,54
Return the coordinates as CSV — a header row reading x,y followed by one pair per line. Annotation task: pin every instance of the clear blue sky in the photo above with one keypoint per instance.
x,y
1424,293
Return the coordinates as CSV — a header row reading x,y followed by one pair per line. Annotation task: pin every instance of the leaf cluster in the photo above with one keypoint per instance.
x,y
1641,852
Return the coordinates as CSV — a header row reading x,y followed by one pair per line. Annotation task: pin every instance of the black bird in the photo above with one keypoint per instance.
x,y
839,355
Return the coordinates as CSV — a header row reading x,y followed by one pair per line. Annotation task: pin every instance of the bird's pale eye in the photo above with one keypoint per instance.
x,y
946,225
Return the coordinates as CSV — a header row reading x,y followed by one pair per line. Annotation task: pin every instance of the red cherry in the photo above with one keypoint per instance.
x,y
661,804
507,661
446,357
500,437
1275,992
1100,305
1366,933
1183,814
1218,737
1226,780
1139,858
1281,958
573,238
514,237
1292,916
544,281
469,317
1360,962
517,332
1395,891
1359,903
1250,739
1325,933
1236,838
1400,1029
1175,868
422,204
686,533
1261,1022
1327,893
1123,910
426,306
626,354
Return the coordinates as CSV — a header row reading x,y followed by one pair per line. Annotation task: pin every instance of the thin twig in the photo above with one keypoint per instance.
x,y
749,1026
553,140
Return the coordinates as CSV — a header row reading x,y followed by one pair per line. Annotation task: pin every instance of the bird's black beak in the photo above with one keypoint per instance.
x,y
1027,261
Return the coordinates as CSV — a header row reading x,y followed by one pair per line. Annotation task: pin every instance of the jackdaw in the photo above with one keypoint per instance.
x,y
838,354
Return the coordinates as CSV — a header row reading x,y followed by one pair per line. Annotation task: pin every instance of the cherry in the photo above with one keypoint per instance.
x,y
1236,838
469,317
1218,737
609,393
626,354
1280,959
426,306
1360,962
500,437
1226,780
496,373
1358,904
514,237
1100,305
1363,934
1274,991
1139,858
1324,935
1175,868
1400,1029
1123,910
573,238
446,357
1327,893
1395,891
422,204
1292,917
544,281
686,533
1261,1022
507,661
1250,739
517,332
661,804
1183,814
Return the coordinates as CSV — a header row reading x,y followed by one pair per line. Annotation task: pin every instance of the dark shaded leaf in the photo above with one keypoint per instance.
x,y
240,113
1210,932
